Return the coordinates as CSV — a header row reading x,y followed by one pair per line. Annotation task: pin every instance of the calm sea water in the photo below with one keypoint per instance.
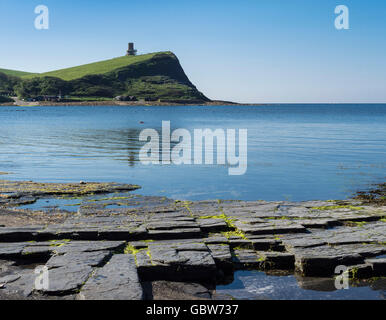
x,y
295,152
256,285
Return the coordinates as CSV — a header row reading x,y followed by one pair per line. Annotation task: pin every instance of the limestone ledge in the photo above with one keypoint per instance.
x,y
130,251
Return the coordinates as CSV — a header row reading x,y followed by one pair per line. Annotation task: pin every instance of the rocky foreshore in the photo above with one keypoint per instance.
x,y
125,246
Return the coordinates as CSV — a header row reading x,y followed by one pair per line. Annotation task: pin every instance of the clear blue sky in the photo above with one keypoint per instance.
x,y
244,50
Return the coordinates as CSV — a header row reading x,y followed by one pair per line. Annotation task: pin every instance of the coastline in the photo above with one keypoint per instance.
x,y
124,104
165,104
160,245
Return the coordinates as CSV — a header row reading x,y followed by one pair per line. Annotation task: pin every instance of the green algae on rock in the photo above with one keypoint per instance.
x,y
17,189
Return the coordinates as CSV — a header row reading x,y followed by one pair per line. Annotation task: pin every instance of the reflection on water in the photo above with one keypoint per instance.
x,y
97,201
295,152
256,285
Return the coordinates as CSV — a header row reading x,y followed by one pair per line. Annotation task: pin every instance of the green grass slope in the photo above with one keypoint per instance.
x,y
16,73
95,68
152,77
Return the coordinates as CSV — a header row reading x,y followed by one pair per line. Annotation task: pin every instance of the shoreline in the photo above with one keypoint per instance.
x,y
166,104
161,245
20,103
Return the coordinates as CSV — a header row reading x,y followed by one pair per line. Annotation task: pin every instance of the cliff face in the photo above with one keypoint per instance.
x,y
165,64
159,77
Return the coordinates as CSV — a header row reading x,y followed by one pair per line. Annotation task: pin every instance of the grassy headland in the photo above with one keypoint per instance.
x,y
150,77
100,67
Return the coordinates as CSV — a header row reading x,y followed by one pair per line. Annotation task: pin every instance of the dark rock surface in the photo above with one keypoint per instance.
x,y
117,280
148,244
169,290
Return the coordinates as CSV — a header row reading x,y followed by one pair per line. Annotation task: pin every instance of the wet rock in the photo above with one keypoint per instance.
x,y
5,265
181,262
9,279
29,188
38,250
22,284
17,201
11,250
322,260
316,283
167,240
175,234
317,204
267,244
93,259
216,239
270,228
167,290
378,266
66,279
246,259
171,224
276,260
369,233
318,223
123,233
222,256
361,271
240,243
212,225
14,234
145,264
90,246
117,280
70,232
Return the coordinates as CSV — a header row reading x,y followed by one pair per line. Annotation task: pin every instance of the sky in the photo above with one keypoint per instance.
x,y
256,51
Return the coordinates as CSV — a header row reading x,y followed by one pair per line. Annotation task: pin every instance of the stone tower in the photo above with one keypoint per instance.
x,y
131,51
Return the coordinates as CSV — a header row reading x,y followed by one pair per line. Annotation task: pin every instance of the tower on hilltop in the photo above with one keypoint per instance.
x,y
131,51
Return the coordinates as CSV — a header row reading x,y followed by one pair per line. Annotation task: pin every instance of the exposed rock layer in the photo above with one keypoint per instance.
x,y
130,251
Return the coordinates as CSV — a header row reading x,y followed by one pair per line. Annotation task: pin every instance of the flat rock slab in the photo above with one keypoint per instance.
x,y
378,266
20,283
117,280
9,279
14,234
37,249
89,246
276,260
221,254
182,262
322,260
361,271
11,250
67,279
17,189
267,244
212,225
271,228
246,259
168,290
186,233
93,259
